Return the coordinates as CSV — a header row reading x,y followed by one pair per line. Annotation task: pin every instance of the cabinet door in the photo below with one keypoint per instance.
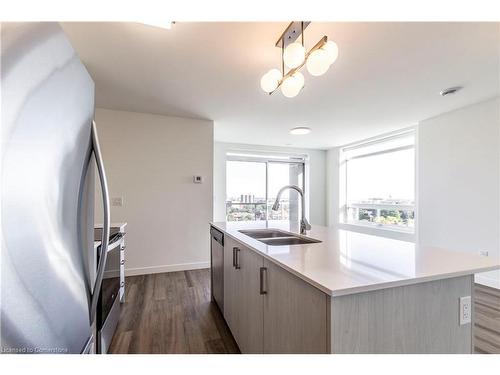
x,y
231,285
250,302
295,314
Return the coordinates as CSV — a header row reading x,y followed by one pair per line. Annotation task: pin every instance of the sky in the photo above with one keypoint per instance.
x,y
250,178
382,176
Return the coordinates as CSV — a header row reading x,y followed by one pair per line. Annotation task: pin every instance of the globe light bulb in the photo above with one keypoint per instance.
x,y
292,85
275,74
332,50
318,62
270,81
294,55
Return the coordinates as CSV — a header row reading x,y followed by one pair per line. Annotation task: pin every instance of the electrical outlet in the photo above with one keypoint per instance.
x,y
465,310
484,253
117,201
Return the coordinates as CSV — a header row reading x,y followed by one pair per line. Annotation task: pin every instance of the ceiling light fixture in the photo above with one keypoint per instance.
x,y
294,56
450,91
300,130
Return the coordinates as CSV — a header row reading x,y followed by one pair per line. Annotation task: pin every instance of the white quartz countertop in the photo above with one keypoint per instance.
x,y
119,225
348,262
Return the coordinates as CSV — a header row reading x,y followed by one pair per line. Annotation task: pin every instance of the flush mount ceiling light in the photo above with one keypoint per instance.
x,y
294,56
300,130
450,91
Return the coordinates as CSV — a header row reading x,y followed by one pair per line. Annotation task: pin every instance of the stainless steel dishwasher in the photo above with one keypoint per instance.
x,y
217,266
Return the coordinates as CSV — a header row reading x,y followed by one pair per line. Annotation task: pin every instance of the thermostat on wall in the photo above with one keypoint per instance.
x,y
197,179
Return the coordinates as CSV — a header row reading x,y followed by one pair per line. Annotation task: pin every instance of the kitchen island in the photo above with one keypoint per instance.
x,y
347,293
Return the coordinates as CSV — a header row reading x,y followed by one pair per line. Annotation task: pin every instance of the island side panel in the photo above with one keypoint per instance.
x,y
418,318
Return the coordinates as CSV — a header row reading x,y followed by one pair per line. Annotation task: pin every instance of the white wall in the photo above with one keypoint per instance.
x,y
315,173
458,184
150,161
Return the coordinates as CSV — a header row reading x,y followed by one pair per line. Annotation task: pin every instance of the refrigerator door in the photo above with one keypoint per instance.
x,y
47,192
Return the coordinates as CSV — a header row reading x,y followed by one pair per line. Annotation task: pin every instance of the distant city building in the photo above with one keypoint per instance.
x,y
247,198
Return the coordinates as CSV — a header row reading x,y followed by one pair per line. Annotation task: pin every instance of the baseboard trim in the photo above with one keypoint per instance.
x,y
166,268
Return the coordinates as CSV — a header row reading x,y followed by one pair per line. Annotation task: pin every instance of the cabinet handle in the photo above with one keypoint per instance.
x,y
237,258
234,257
262,271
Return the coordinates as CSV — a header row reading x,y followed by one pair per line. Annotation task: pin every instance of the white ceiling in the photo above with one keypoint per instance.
x,y
387,76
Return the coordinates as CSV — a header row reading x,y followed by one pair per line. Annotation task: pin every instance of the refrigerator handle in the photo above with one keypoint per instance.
x,y
106,223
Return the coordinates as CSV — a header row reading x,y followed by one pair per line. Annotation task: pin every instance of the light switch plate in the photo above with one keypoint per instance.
x,y
465,310
117,201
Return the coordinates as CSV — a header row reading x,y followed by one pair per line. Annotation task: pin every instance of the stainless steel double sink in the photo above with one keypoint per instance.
x,y
277,237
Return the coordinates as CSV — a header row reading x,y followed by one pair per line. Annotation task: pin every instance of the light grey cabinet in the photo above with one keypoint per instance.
x,y
250,301
295,314
269,310
243,304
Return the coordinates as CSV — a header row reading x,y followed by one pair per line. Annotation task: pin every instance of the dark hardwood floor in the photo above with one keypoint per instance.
x,y
486,320
171,313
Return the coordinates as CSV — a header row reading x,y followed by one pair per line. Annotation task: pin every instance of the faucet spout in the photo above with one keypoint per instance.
x,y
304,224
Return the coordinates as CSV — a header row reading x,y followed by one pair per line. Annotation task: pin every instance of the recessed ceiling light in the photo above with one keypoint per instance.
x,y
450,90
300,130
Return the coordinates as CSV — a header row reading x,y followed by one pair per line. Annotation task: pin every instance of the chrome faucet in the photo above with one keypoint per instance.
x,y
304,224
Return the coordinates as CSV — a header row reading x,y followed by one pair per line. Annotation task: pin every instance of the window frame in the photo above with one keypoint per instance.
x,y
387,230
272,157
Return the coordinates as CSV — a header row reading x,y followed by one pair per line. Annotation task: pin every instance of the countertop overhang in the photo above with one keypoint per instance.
x,y
347,262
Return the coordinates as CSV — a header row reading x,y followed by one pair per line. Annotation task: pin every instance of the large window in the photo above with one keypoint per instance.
x,y
253,182
378,178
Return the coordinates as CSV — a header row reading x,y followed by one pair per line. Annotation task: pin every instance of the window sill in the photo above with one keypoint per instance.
x,y
398,234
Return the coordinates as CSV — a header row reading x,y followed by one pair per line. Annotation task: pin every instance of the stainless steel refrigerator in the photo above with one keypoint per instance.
x,y
49,149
